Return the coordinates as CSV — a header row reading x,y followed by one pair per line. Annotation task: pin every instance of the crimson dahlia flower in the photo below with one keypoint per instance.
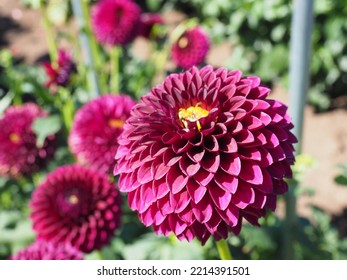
x,y
93,137
115,22
76,205
191,48
59,74
204,150
19,153
41,250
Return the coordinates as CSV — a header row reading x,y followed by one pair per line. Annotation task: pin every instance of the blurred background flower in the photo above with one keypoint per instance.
x,y
76,205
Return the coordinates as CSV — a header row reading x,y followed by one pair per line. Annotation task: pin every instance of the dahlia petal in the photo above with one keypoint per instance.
x,y
252,122
259,138
213,223
226,181
158,217
170,158
202,210
180,146
259,199
145,173
231,164
165,206
211,144
250,153
266,158
176,180
146,197
229,215
195,190
160,188
279,187
183,200
210,162
203,177
277,153
244,195
147,217
243,89
159,169
244,137
271,202
188,167
251,172
187,216
276,170
227,144
271,139
196,153
220,197
267,185
176,224
170,137
133,198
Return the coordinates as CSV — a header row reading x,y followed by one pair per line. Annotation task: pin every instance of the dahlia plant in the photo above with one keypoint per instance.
x,y
204,150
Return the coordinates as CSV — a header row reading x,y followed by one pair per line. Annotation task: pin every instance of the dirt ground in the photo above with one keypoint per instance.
x,y
325,135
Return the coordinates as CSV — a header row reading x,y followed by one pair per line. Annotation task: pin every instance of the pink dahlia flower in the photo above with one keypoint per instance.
x,y
147,22
204,150
191,48
76,205
96,127
41,250
115,22
59,74
19,153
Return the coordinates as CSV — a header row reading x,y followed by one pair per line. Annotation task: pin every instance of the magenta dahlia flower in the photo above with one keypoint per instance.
x,y
96,127
147,22
41,250
204,150
76,205
59,74
191,48
115,22
19,153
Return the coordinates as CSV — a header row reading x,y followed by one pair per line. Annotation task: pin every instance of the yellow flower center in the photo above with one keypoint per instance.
x,y
73,199
14,137
192,114
116,123
183,42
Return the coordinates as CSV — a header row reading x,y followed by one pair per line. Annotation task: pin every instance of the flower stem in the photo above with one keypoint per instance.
x,y
114,79
223,250
52,47
84,33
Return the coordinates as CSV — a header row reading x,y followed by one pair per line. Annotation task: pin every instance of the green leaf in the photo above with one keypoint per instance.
x,y
44,127
342,178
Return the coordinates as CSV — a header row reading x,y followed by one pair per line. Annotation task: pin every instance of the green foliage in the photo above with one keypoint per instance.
x,y
43,127
341,179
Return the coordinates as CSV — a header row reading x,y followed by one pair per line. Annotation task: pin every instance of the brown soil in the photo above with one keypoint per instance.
x,y
325,135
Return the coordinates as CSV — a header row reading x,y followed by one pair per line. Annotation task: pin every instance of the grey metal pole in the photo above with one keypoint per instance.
x,y
86,48
300,49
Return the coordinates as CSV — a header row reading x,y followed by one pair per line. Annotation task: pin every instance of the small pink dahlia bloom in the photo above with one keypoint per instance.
x,y
147,22
96,127
59,74
19,153
204,150
41,250
76,205
115,22
191,48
